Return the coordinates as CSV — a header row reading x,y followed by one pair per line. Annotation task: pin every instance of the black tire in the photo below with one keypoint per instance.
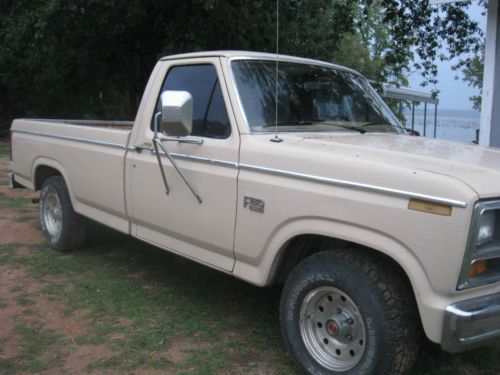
x,y
383,297
72,227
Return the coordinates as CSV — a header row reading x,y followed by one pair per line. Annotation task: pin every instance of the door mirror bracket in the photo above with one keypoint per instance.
x,y
175,119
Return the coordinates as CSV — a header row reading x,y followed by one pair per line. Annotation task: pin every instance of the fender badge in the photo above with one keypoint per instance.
x,y
254,204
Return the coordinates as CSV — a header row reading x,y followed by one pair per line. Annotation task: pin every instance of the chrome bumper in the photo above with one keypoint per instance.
x,y
471,323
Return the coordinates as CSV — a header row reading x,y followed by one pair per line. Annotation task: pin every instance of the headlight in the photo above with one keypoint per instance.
x,y
482,257
486,227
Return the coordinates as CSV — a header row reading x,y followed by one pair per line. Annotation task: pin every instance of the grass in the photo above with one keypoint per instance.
x,y
40,347
4,148
24,301
20,204
163,299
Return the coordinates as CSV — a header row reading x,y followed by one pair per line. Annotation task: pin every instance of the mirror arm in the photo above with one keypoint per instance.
x,y
164,149
158,156
156,143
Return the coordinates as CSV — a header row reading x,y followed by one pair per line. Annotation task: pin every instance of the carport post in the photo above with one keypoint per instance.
x,y
425,117
489,134
412,115
435,119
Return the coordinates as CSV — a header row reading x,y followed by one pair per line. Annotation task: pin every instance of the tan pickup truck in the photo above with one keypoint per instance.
x,y
376,235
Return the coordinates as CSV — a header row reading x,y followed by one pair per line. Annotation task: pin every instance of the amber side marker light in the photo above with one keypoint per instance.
x,y
429,207
477,268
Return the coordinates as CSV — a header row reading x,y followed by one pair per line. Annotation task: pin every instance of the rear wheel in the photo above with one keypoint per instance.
x,y
345,313
62,226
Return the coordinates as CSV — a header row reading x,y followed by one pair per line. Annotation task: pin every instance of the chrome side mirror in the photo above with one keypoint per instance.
x,y
176,117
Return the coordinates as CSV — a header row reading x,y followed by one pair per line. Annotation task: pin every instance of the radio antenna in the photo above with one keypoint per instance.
x,y
276,138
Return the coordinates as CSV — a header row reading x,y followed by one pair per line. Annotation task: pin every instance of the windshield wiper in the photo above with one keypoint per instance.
x,y
373,123
352,127
349,127
288,123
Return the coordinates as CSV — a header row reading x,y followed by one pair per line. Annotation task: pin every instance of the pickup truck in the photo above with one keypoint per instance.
x,y
289,171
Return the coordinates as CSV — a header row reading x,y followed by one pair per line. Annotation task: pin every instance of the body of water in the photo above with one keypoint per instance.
x,y
452,125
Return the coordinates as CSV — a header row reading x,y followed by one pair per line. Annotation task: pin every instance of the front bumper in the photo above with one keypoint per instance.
x,y
471,323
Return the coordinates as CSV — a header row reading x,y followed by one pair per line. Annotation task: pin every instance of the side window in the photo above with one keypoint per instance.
x,y
210,117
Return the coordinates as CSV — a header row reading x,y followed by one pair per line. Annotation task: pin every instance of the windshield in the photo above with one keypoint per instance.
x,y
310,98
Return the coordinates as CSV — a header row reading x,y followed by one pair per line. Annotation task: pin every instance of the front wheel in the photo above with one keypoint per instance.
x,y
343,312
64,229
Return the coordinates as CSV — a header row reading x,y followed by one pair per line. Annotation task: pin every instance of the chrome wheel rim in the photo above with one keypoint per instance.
x,y
332,328
52,213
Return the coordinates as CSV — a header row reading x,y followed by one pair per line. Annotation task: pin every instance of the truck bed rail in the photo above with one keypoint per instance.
x,y
96,123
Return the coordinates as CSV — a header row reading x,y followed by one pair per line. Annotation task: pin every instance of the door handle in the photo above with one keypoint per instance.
x,y
188,139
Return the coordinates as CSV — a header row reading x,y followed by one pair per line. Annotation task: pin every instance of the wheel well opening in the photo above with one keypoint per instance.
x,y
42,173
298,248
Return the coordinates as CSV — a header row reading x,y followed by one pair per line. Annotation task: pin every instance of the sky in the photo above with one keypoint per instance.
x,y
454,94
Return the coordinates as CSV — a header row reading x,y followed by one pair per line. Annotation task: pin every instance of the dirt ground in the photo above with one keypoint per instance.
x,y
21,227
33,309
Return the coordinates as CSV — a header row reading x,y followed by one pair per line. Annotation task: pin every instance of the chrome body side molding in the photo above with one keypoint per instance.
x,y
355,185
200,159
75,139
223,163
279,172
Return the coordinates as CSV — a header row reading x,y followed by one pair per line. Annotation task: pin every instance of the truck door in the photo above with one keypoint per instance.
x,y
178,221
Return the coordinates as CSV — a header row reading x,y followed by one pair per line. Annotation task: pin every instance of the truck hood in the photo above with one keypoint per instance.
x,y
476,166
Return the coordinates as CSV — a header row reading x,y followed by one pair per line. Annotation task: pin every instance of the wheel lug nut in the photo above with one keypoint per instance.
x,y
350,320
349,337
339,310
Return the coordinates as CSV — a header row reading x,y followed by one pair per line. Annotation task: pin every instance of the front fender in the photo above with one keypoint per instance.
x,y
262,272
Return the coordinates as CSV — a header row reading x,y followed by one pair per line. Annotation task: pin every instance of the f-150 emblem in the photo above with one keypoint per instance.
x,y
254,204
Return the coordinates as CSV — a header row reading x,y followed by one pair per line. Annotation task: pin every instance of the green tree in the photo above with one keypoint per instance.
x,y
91,58
473,75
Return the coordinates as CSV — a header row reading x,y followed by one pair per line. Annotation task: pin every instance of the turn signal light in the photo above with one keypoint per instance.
x,y
429,207
477,268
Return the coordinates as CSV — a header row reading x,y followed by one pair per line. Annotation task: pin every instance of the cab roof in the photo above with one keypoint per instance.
x,y
254,55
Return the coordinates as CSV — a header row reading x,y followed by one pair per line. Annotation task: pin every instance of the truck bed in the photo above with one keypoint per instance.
x,y
91,154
